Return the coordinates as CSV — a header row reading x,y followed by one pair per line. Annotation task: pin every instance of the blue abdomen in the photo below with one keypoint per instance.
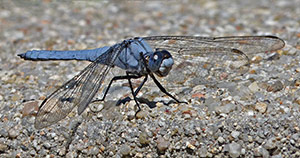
x,y
89,55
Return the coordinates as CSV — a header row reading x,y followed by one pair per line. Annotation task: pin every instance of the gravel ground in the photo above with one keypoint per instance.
x,y
255,114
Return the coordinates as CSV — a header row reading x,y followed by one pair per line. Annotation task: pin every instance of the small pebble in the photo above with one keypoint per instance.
x,y
139,155
93,151
144,139
203,152
253,87
221,140
30,108
3,147
13,133
47,145
261,107
141,114
125,150
235,134
191,146
227,108
271,144
162,144
234,149
277,86
260,151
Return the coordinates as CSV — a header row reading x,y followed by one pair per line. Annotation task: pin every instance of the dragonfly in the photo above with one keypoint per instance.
x,y
139,57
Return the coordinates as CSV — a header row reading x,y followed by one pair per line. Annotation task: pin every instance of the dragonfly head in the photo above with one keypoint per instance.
x,y
160,62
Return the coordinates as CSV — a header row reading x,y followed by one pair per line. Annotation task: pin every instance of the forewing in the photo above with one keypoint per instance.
x,y
191,45
78,91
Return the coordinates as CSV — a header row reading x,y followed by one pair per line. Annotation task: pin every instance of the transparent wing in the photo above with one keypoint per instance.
x,y
79,91
209,60
193,45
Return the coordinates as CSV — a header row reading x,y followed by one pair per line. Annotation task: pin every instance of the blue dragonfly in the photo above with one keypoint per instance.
x,y
139,57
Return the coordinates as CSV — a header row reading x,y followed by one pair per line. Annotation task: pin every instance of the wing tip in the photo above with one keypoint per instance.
x,y
279,42
39,126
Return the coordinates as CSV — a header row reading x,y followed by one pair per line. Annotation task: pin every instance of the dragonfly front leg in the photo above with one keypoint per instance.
x,y
164,90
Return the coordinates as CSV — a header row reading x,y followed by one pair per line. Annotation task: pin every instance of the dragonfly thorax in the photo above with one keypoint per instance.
x,y
160,62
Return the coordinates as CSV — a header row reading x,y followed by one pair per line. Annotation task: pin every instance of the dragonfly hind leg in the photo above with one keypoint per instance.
x,y
115,79
127,99
134,93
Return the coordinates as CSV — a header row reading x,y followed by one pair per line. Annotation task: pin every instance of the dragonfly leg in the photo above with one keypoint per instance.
x,y
164,90
111,81
141,85
127,99
133,93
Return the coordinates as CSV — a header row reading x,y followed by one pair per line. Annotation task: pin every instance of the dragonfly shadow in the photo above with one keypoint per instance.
x,y
150,104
